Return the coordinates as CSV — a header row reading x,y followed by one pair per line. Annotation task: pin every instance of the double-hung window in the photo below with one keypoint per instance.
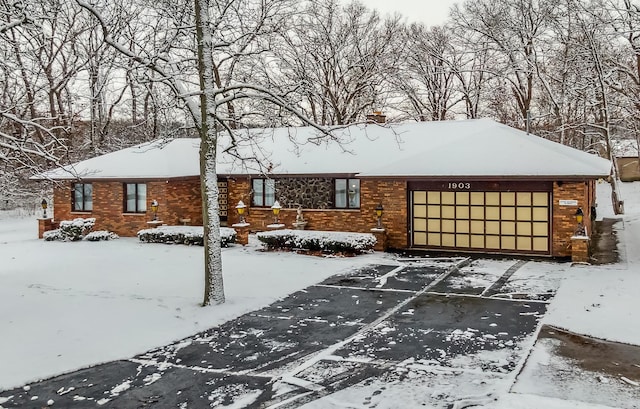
x,y
347,193
82,197
135,197
264,192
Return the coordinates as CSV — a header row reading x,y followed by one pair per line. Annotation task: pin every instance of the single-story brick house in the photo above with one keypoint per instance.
x,y
472,185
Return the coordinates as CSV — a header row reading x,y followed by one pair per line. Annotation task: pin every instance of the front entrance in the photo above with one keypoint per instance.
x,y
492,221
223,200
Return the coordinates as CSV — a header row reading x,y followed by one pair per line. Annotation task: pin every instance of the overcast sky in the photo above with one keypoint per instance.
x,y
429,12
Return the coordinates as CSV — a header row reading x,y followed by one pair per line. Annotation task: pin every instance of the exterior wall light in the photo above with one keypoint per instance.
x,y
44,208
379,209
240,208
154,209
580,230
276,211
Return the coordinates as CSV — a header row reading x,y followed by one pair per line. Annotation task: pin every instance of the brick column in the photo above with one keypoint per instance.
x,y
382,242
45,225
580,249
242,233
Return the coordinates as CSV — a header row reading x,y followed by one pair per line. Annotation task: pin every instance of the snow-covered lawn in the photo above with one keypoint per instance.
x,y
65,306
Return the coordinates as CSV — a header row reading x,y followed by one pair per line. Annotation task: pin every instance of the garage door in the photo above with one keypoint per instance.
x,y
508,222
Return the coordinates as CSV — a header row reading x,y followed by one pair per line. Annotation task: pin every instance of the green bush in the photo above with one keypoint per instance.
x,y
190,235
325,241
71,230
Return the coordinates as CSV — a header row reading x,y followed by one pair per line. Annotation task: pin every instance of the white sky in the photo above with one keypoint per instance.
x,y
430,12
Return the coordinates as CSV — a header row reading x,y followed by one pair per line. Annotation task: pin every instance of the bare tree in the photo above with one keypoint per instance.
x,y
512,29
226,32
340,57
430,67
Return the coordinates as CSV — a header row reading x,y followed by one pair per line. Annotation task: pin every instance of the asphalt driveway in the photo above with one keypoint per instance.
x,y
320,340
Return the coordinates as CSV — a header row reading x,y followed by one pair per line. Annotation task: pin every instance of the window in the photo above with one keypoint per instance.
x,y
347,193
135,197
82,197
264,192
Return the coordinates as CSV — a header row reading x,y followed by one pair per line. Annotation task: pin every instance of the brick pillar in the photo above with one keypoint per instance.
x,y
45,225
382,240
242,233
580,249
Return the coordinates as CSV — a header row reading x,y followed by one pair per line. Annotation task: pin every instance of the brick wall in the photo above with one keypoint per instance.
x,y
108,206
564,217
183,201
391,193
180,199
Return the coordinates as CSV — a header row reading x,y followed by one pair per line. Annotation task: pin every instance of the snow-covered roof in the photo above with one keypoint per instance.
x,y
471,148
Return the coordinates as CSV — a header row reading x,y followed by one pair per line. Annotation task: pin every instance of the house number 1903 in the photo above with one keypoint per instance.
x,y
459,185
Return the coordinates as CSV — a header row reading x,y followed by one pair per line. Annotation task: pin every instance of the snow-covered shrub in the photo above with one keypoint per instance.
x,y
325,241
191,235
53,235
101,235
71,230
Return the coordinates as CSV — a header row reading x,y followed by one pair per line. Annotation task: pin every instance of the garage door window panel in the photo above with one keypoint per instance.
x,y
462,240
477,226
508,213
508,198
477,212
477,241
449,240
448,226
477,198
524,243
540,244
493,213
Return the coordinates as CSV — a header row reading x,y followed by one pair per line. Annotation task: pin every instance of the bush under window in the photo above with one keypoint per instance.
x,y
190,235
325,241
71,230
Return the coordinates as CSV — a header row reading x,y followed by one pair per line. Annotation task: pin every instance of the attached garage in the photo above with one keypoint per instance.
x,y
481,216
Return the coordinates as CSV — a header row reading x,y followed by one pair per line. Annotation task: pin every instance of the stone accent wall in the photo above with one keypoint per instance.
x,y
564,217
310,193
391,193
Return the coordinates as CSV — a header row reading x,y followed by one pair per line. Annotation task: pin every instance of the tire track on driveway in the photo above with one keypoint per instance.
x,y
493,289
329,352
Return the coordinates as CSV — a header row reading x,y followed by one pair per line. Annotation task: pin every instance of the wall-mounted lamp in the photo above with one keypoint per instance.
x,y
240,208
580,230
154,209
379,209
44,208
276,211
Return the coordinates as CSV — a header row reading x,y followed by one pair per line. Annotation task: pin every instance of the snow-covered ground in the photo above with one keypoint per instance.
x,y
65,306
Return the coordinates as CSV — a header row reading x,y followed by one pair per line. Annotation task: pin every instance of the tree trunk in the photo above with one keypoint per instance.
x,y
213,286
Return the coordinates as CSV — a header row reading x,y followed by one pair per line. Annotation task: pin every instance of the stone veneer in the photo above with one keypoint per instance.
x,y
310,193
